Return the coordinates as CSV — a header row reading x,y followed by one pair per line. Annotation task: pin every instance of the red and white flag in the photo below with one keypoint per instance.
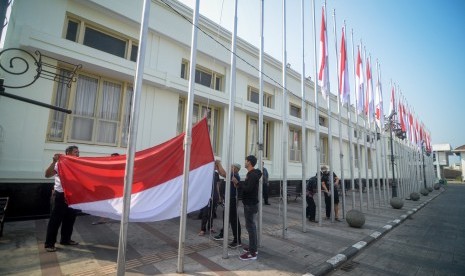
x,y
95,185
369,100
360,90
323,72
379,113
393,101
344,72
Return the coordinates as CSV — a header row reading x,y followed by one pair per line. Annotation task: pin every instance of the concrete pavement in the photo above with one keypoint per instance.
x,y
152,247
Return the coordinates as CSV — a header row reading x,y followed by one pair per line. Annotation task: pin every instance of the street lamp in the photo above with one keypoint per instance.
x,y
423,157
394,126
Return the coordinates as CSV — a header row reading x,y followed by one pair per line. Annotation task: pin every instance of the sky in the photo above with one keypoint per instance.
x,y
419,45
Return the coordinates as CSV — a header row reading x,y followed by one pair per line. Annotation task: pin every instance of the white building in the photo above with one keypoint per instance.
x,y
102,36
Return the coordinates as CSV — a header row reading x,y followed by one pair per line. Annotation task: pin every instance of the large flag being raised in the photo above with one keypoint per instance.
x,y
95,185
323,71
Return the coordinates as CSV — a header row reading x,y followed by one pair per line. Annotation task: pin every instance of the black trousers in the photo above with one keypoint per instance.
x,y
234,221
63,216
207,216
265,192
311,208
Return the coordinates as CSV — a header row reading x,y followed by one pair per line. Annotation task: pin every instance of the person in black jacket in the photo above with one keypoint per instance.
x,y
250,200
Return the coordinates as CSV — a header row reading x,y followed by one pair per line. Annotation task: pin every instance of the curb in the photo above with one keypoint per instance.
x,y
337,260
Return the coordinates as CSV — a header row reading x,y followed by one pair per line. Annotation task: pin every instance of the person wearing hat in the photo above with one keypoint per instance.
x,y
326,184
233,218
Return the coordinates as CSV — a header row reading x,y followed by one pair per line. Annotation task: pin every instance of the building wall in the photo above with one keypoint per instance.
x,y
26,151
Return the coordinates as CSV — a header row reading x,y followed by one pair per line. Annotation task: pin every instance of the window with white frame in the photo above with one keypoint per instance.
x,y
295,111
252,137
322,121
203,76
369,159
100,38
356,159
199,112
253,95
295,144
324,150
100,111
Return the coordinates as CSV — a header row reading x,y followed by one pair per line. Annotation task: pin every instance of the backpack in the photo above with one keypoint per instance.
x,y
312,185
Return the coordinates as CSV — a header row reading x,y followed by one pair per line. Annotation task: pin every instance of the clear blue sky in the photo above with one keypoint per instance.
x,y
420,46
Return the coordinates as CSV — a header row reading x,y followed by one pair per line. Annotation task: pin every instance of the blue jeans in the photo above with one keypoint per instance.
x,y
249,213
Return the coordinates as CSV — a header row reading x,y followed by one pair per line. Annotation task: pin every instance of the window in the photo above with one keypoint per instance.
x,y
369,159
203,76
99,39
294,111
322,121
253,95
252,137
100,111
199,112
323,150
356,159
295,145
355,133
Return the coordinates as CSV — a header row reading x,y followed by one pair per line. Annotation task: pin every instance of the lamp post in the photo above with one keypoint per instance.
x,y
394,182
423,161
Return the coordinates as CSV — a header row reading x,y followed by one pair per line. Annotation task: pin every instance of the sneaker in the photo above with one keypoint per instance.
x,y
245,249
234,245
248,256
218,237
51,249
70,242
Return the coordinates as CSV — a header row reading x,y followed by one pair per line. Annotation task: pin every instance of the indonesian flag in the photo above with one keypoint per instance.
x,y
95,185
379,114
401,117
344,73
323,73
369,100
393,101
360,90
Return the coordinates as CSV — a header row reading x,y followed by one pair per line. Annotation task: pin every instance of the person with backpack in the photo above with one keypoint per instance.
x,y
312,189
326,182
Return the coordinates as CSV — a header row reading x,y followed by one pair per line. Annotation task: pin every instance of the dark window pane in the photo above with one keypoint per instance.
x,y
134,50
254,97
104,42
218,83
203,78
71,32
183,71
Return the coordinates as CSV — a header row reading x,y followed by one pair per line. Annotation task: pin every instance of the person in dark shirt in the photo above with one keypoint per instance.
x,y
233,218
250,200
265,185
326,182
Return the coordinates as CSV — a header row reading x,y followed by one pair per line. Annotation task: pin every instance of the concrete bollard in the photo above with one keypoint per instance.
x,y
436,186
397,203
415,196
430,189
355,218
424,192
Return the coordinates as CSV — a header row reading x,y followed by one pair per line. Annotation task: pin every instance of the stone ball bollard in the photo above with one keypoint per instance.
x,y
436,186
355,218
415,196
430,189
397,203
424,192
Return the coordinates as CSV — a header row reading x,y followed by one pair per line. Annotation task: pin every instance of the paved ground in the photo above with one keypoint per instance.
x,y
430,242
152,247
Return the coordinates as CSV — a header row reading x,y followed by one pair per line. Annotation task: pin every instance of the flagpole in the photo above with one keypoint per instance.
x,y
304,129
317,116
380,126
260,126
229,157
285,126
131,150
188,139
339,110
349,130
367,111
330,138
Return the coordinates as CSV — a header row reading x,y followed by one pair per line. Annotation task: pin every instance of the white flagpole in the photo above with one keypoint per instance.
x,y
381,114
260,126
304,129
188,139
285,126
131,150
330,141
349,129
229,157
317,116
367,132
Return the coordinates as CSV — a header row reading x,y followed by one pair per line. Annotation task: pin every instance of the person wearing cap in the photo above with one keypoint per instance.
x,y
326,186
233,218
